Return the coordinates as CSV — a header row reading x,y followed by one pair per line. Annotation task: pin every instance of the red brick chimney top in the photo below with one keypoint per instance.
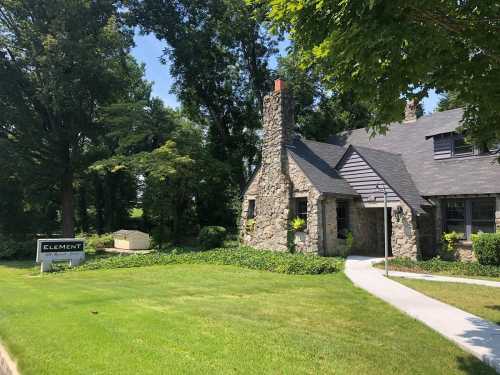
x,y
279,85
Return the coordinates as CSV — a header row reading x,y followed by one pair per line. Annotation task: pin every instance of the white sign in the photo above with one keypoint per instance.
x,y
50,250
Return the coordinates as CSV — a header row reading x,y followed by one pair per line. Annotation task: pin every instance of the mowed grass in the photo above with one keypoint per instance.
x,y
483,301
208,319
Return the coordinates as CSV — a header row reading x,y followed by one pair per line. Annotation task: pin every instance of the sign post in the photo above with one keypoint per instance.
x,y
381,187
50,250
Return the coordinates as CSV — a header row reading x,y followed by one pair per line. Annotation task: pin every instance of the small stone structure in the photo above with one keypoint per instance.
x,y
131,240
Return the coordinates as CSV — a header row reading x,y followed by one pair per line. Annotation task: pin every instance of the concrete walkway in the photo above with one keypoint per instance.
x,y
446,279
473,334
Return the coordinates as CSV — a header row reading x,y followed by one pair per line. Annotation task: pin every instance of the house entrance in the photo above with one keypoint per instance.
x,y
371,239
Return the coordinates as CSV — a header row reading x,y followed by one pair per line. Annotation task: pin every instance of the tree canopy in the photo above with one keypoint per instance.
x,y
60,62
388,52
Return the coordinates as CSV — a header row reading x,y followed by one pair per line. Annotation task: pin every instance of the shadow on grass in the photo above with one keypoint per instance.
x,y
19,264
472,366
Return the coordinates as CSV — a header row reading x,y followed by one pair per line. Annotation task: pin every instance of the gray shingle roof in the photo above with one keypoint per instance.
x,y
393,170
475,175
318,160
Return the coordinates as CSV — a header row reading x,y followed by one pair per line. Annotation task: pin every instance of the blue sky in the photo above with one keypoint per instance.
x,y
148,50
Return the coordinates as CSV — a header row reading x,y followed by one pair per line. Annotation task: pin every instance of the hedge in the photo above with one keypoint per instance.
x,y
486,247
297,264
446,267
17,249
211,237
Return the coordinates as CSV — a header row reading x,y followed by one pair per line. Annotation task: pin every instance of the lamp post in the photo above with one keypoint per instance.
x,y
381,188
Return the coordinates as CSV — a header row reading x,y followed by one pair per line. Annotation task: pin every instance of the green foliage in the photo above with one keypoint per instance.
x,y
96,242
487,248
211,237
449,242
319,112
298,224
250,225
445,267
61,62
344,248
246,257
389,52
449,101
17,249
218,56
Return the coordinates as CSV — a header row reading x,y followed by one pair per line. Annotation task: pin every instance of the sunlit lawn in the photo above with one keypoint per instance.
x,y
483,301
205,319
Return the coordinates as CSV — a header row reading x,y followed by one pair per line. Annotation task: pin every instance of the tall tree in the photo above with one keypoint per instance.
x,y
388,52
450,100
219,55
319,112
60,62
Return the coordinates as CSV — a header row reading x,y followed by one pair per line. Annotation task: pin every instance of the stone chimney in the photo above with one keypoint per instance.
x,y
278,126
411,111
274,186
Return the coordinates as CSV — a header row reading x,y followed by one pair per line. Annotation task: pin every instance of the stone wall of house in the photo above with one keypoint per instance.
x,y
273,187
464,252
497,214
276,184
331,242
311,240
404,237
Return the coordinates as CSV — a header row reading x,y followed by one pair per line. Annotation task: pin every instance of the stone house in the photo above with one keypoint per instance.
x,y
434,180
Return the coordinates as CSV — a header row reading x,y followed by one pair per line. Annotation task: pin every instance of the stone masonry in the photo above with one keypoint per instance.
x,y
273,186
404,233
497,214
276,184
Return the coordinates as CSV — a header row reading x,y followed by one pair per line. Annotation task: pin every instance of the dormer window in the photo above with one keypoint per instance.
x,y
462,148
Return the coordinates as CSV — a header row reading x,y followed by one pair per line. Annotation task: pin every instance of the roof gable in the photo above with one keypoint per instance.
x,y
317,161
366,168
475,175
363,178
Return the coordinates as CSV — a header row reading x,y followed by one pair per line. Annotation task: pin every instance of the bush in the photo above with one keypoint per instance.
x,y
96,242
445,267
212,237
486,247
250,225
344,249
297,264
449,242
17,249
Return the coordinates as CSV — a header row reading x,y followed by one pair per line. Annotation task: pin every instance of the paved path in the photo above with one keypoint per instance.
x,y
473,334
447,279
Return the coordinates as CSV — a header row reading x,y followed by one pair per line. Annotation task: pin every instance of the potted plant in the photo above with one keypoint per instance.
x,y
298,226
250,225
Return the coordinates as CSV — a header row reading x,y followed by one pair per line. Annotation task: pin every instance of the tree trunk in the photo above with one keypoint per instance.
x,y
68,223
99,204
82,209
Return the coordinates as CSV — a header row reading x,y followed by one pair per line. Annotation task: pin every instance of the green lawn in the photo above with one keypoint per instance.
x,y
209,319
472,270
483,301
